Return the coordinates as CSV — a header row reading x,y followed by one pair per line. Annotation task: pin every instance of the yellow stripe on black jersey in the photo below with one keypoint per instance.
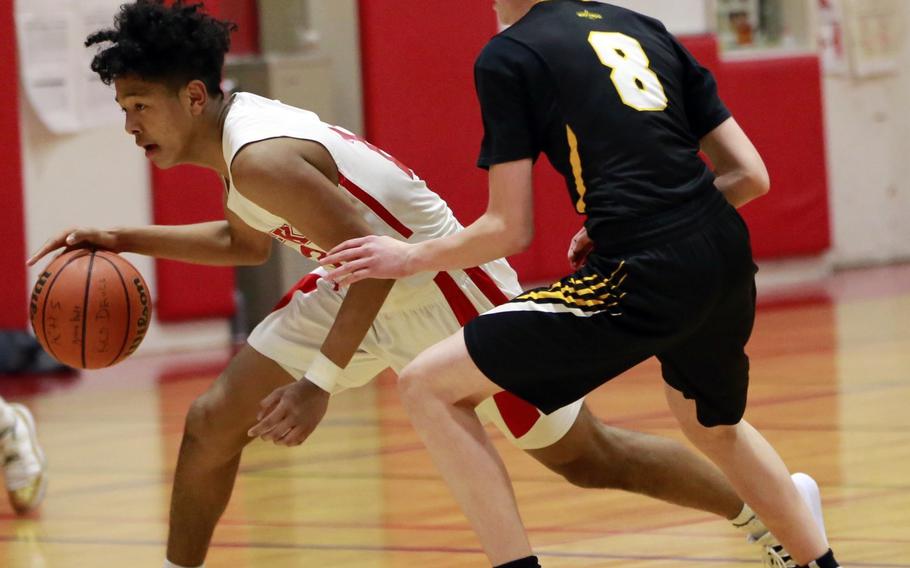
x,y
575,161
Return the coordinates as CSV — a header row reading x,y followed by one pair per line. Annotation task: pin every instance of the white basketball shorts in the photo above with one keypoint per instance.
x,y
293,334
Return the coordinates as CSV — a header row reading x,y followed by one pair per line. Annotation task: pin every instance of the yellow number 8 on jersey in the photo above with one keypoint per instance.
x,y
638,86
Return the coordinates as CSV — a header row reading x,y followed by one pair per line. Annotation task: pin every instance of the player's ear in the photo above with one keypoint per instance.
x,y
197,96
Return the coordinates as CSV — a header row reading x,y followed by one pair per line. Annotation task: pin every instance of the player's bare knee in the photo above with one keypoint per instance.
x,y
414,388
204,426
198,421
712,437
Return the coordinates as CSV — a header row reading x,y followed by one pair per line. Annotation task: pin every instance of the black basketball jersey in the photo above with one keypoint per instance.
x,y
616,104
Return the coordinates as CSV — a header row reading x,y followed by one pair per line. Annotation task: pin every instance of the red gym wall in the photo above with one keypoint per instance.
x,y
189,195
420,106
13,301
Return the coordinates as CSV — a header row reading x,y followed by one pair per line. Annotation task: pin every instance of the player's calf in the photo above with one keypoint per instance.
x,y
587,472
591,456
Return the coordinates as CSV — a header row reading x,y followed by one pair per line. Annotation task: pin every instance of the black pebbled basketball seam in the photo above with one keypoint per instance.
x,y
88,282
129,320
47,295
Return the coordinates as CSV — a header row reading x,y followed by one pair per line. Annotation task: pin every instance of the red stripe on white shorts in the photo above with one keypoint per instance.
x,y
306,285
460,304
518,415
487,286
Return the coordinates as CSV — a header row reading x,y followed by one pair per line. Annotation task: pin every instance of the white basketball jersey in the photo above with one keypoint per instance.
x,y
390,197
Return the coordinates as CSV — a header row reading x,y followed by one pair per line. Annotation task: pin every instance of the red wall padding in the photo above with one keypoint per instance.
x,y
420,105
244,13
13,301
189,194
779,104
419,91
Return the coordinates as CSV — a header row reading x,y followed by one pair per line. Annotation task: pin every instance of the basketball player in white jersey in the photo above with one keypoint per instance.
x,y
312,186
21,458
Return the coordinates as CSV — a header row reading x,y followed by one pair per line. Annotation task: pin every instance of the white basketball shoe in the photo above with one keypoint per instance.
x,y
23,462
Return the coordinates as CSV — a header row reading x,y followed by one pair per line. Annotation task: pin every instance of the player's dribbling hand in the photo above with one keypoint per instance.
x,y
76,237
579,249
290,414
367,257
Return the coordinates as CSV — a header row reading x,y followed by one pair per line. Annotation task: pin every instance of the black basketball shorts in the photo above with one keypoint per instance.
x,y
689,302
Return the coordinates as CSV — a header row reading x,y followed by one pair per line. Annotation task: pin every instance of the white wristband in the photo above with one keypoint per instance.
x,y
323,373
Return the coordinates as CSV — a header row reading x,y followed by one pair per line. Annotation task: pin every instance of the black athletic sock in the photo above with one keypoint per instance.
x,y
825,561
526,562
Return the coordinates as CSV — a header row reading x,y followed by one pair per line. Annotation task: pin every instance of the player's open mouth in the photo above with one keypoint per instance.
x,y
151,149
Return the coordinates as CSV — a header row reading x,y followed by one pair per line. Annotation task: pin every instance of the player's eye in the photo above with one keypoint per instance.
x,y
139,106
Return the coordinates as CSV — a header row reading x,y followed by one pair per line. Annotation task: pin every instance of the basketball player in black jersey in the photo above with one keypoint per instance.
x,y
621,109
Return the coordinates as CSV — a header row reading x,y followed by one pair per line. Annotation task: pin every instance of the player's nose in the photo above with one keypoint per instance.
x,y
131,126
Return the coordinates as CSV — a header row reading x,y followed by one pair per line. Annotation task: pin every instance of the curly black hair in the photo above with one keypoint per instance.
x,y
172,44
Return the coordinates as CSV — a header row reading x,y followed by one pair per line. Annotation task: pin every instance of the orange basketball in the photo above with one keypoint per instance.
x,y
90,308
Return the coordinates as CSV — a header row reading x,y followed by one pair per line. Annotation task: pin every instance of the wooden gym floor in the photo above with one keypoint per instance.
x,y
830,389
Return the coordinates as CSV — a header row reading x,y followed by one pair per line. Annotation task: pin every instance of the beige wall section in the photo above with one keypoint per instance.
x,y
302,41
901,152
93,178
867,123
680,16
337,22
322,74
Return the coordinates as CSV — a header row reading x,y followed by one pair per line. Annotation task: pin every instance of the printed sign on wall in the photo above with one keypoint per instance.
x,y
874,34
832,48
54,63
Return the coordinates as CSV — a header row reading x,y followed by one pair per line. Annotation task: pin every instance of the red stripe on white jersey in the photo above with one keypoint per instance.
x,y
375,206
519,416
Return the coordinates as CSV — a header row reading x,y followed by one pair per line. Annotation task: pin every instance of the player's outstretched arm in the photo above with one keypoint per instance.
x,y
229,242
506,228
72,237
741,173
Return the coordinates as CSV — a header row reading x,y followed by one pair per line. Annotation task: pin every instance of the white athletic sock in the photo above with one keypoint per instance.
x,y
169,564
748,522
